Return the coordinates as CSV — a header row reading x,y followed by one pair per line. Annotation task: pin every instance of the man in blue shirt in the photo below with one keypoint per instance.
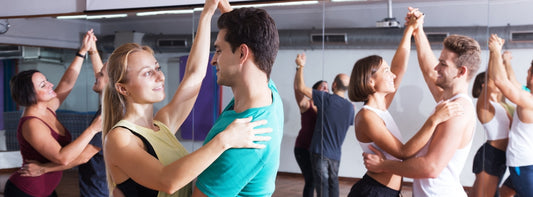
x,y
246,47
92,175
334,116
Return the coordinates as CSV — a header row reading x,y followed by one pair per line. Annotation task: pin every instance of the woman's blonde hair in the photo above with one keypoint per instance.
x,y
114,103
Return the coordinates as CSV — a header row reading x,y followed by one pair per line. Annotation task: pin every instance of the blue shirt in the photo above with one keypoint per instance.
x,y
92,176
246,172
334,117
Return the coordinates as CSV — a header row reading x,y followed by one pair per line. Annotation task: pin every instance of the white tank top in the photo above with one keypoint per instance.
x,y
498,127
448,182
391,126
520,143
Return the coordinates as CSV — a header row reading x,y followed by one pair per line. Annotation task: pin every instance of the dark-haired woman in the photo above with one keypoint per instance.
x,y
496,116
375,83
41,136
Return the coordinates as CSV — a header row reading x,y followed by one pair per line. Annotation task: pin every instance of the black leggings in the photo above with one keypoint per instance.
x,y
13,191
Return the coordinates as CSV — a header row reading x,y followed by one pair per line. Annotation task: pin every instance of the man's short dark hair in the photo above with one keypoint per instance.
x,y
467,50
255,28
315,86
22,89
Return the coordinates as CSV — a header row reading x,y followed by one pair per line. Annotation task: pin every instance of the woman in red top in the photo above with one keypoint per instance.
x,y
41,136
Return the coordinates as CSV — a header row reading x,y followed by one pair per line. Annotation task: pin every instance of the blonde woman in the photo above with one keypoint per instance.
x,y
142,155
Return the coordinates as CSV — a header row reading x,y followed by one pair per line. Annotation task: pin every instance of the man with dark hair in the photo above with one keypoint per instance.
x,y
437,167
245,50
334,117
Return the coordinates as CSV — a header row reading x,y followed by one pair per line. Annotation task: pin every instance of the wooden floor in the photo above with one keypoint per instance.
x,y
287,185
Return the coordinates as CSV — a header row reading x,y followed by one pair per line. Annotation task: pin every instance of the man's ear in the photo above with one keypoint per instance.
x,y
244,50
462,71
121,89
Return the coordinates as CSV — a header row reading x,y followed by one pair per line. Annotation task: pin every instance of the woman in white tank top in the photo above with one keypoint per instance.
x,y
518,153
495,115
375,83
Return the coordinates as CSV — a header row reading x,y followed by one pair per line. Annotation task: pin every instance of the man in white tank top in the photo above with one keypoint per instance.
x,y
437,166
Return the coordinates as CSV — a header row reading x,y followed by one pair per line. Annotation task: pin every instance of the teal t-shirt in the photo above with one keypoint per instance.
x,y
246,172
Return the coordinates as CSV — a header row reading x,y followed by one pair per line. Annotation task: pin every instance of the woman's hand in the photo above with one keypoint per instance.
x,y
224,6
300,60
31,169
446,110
495,43
373,161
86,42
414,18
241,134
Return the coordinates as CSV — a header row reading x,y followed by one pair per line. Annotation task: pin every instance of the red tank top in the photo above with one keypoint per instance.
x,y
305,135
45,184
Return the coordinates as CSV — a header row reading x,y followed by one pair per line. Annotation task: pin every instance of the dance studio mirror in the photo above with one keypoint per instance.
x,y
332,34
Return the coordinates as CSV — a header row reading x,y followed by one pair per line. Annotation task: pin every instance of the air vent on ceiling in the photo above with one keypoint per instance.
x,y
19,52
172,43
436,37
331,38
523,36
10,51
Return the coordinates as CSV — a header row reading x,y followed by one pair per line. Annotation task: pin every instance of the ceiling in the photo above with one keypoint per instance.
x,y
327,14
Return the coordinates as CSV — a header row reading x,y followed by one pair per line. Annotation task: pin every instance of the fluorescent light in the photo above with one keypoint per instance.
x,y
269,5
165,12
92,16
188,11
346,0
73,17
107,16
276,4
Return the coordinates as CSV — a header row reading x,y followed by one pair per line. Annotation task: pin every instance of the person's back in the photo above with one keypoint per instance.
x,y
334,117
246,172
92,176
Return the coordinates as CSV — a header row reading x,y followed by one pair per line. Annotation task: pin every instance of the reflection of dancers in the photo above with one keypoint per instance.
x,y
334,117
519,158
301,146
42,138
92,176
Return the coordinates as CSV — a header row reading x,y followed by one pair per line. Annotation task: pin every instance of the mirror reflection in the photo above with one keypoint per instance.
x,y
333,36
